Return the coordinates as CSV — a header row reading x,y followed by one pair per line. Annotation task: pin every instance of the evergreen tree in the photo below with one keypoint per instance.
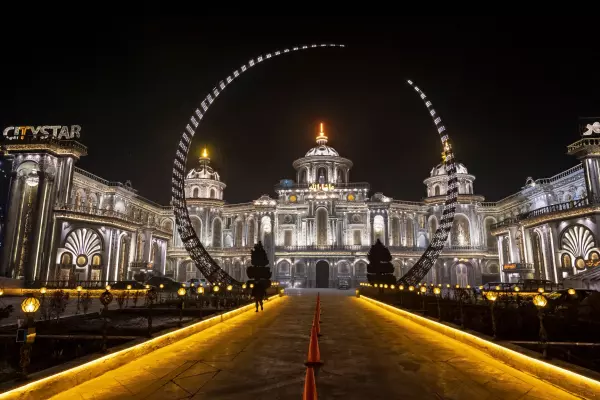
x,y
380,269
259,269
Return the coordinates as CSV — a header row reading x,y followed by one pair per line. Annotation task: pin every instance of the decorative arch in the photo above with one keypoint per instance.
x,y
322,217
343,268
410,232
436,190
360,268
83,243
300,268
195,191
239,233
461,231
284,268
490,240
66,258
213,193
217,233
379,229
577,240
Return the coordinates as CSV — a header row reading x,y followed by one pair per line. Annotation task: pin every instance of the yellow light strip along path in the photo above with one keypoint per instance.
x,y
488,354
145,361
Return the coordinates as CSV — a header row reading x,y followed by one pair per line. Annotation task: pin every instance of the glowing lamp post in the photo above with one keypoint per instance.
x,y
181,293
423,291
492,296
128,287
79,289
105,298
43,291
540,301
571,291
200,290
401,289
29,306
437,291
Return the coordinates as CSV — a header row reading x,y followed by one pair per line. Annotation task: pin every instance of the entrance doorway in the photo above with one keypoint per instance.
x,y
322,274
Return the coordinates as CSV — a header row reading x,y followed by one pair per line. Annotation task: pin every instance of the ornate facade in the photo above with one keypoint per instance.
x,y
65,224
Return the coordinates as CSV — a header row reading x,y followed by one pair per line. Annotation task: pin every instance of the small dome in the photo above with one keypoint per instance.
x,y
441,170
203,172
322,150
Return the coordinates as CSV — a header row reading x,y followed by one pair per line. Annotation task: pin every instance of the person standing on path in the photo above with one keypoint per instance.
x,y
258,293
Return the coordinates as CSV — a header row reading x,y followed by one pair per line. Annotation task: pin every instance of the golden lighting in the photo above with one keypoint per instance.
x,y
468,286
448,285
437,290
79,288
541,290
411,288
192,284
161,286
457,286
243,286
392,287
563,378
128,287
491,296
385,286
1,292
423,289
497,287
30,305
571,291
282,291
95,368
229,288
147,286
107,287
216,288
252,286
481,287
43,290
517,289
539,300
431,285
401,287
204,153
200,290
181,291
321,133
374,285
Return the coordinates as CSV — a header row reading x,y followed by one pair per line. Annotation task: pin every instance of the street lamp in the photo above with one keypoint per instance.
x,y
29,306
423,290
105,298
540,302
216,288
244,286
541,290
128,287
43,305
492,296
181,293
436,292
200,290
79,289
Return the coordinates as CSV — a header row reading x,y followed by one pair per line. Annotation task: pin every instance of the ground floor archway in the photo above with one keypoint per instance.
x,y
322,274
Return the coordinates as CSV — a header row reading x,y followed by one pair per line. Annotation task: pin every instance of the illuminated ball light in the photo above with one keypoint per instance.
x,y
181,291
30,305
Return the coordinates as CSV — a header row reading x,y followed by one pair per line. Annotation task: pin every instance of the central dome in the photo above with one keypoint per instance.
x,y
322,150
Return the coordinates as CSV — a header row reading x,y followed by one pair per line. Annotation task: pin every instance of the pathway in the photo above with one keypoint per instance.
x,y
368,353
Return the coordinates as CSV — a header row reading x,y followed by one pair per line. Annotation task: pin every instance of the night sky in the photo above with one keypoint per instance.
x,y
509,91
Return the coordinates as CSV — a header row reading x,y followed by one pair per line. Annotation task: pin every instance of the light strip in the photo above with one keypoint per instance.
x,y
550,373
141,349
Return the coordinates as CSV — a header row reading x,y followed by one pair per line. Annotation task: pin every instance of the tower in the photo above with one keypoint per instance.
x,y
587,150
42,172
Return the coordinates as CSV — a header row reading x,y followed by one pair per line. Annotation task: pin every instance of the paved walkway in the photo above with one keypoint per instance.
x,y
368,353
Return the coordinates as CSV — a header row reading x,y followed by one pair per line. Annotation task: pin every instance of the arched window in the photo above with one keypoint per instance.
x,y
538,256
462,277
239,232
378,229
322,220
303,175
322,175
196,192
213,193
566,261
251,232
66,258
96,260
216,237
197,225
461,231
395,231
410,232
490,239
283,268
432,227
436,190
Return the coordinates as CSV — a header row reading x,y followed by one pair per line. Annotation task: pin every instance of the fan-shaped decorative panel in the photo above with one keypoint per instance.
x,y
578,240
83,241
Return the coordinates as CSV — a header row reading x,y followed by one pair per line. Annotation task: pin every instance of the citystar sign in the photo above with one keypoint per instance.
x,y
321,187
42,132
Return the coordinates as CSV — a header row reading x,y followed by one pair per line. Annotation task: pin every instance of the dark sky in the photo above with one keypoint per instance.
x,y
510,92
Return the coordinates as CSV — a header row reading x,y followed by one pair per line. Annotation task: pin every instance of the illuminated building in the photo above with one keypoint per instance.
x,y
66,224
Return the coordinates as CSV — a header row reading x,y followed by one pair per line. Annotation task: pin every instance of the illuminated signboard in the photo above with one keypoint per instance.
x,y
510,266
321,186
42,132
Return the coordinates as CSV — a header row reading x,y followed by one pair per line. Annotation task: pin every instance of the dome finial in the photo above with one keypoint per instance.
x,y
321,139
204,157
204,153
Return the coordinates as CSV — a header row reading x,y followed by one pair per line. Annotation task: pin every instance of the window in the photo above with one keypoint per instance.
x,y
436,190
287,237
196,192
81,260
379,229
66,258
216,240
95,275
96,260
357,237
213,194
322,220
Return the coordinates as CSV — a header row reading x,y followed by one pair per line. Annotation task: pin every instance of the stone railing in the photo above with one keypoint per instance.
x,y
108,214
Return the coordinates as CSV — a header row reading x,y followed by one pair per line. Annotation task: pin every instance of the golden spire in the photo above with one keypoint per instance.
x,y
321,139
204,153
204,157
